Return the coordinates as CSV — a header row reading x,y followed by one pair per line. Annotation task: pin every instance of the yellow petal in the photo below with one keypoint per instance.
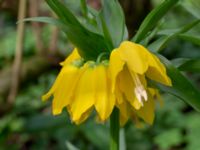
x,y
157,71
143,80
135,56
64,87
84,94
115,66
55,85
118,93
83,117
123,120
136,120
58,81
127,87
147,111
156,95
73,56
124,112
105,99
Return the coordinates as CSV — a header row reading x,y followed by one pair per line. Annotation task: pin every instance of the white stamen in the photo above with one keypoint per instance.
x,y
139,90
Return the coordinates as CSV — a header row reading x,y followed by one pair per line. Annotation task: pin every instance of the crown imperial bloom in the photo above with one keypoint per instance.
x,y
130,65
118,82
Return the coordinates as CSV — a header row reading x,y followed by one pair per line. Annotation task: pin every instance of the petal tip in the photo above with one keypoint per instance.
x,y
56,111
46,97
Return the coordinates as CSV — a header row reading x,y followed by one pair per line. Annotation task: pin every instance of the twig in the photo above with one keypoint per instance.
x,y
18,53
54,41
34,12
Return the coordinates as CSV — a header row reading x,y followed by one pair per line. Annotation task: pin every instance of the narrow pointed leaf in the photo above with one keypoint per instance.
x,y
152,19
107,34
162,42
192,6
47,20
192,65
70,146
177,62
84,8
89,19
187,64
195,39
89,44
182,87
114,20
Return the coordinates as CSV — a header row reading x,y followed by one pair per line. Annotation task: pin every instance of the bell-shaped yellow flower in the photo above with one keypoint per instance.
x,y
118,82
80,88
129,66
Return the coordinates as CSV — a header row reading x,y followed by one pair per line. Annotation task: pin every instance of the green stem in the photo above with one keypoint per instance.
x,y
114,130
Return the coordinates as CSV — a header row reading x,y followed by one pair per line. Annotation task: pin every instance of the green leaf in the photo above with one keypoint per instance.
x,y
152,19
195,39
192,65
48,20
89,44
41,122
162,42
169,138
177,62
187,64
192,6
182,87
89,18
113,17
84,8
92,20
99,135
106,33
70,146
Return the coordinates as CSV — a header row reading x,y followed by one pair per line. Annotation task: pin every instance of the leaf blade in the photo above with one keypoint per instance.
x,y
152,18
192,65
89,44
114,18
161,43
181,88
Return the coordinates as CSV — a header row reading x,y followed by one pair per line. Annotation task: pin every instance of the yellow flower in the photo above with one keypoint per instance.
x,y
129,66
118,82
82,87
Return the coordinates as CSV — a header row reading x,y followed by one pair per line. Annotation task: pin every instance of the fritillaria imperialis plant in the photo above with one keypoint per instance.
x,y
111,75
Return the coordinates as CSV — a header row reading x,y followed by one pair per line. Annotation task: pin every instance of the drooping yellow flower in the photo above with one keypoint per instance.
x,y
129,66
80,88
118,82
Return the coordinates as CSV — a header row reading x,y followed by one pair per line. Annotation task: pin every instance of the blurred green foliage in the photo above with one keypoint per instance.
x,y
29,125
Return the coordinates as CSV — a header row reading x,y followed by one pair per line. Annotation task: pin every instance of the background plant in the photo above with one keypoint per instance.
x,y
28,124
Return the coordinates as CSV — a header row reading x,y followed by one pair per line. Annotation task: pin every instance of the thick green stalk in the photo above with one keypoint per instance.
x,y
114,130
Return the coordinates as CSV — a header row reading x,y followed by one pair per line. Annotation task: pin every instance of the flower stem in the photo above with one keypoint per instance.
x,y
114,130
